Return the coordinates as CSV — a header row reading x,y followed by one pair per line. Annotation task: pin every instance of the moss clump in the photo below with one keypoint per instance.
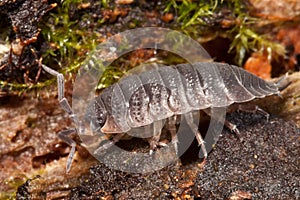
x,y
64,40
68,33
228,19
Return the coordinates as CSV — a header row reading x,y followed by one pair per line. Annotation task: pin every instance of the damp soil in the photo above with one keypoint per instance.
x,y
262,163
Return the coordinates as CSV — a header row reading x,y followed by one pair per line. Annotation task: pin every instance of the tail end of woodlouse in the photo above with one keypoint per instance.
x,y
282,83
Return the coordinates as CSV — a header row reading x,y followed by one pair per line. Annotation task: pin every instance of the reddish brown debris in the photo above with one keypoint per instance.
x,y
290,38
240,195
168,17
259,64
112,15
276,10
124,1
20,64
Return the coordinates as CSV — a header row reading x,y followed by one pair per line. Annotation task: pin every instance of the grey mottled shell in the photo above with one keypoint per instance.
x,y
140,99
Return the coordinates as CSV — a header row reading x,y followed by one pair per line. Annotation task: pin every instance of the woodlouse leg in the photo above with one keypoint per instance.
x,y
110,143
172,128
154,141
250,108
190,121
61,90
63,135
232,127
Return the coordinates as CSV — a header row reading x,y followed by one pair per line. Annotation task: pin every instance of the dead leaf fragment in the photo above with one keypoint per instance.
x,y
124,1
259,65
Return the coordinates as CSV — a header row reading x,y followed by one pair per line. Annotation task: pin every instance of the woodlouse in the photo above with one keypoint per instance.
x,y
165,92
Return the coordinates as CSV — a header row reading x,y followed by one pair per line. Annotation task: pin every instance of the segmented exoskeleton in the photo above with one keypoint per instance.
x,y
165,92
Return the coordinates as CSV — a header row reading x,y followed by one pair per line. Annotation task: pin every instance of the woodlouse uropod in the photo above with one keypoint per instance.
x,y
149,97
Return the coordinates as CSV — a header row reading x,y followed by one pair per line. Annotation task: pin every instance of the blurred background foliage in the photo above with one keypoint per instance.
x,y
73,28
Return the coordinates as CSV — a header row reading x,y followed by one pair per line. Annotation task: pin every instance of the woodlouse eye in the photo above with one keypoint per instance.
x,y
96,114
101,119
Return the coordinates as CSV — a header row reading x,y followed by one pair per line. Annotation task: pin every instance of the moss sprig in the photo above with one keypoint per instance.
x,y
243,31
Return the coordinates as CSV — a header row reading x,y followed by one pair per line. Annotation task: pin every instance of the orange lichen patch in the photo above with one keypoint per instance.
x,y
276,10
290,37
259,65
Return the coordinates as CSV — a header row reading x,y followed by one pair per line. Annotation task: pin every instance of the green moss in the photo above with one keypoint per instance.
x,y
247,40
194,15
111,75
23,87
193,12
67,38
